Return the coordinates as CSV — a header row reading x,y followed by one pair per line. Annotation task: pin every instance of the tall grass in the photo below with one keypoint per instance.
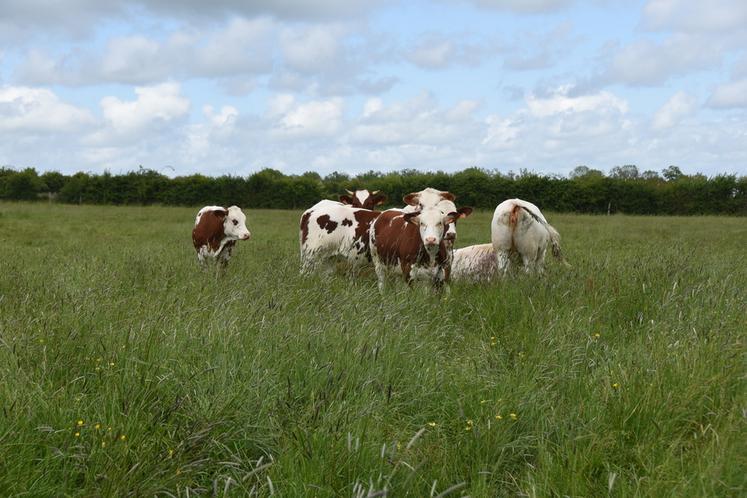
x,y
125,370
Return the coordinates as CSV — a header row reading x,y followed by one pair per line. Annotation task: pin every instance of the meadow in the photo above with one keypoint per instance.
x,y
125,371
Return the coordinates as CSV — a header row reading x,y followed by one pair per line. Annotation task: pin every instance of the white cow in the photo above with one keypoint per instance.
x,y
330,231
518,227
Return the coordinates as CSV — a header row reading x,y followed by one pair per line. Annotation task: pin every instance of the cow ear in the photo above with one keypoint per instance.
x,y
451,217
346,199
464,211
411,199
411,217
379,199
448,196
220,213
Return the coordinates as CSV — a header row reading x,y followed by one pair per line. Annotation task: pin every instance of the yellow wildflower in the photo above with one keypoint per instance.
x,y
97,426
483,401
171,452
103,444
80,423
513,416
432,424
122,437
498,417
616,386
77,434
597,335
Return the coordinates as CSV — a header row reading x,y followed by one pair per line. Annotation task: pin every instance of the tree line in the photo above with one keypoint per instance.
x,y
623,190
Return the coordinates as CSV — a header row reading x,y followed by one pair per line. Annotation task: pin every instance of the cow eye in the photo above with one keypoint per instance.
x,y
235,222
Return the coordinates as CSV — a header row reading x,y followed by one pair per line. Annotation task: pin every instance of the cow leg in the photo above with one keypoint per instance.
x,y
441,279
502,262
406,272
202,259
380,274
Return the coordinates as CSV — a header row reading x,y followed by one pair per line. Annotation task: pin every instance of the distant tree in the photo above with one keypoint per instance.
x,y
53,180
579,171
627,172
23,185
672,173
650,175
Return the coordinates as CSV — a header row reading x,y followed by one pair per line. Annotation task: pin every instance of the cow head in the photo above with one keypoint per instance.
x,y
428,197
363,199
234,223
432,224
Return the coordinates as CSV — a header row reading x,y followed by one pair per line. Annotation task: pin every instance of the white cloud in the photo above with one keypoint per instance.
x,y
320,118
241,47
729,95
646,62
39,110
432,54
679,106
562,102
311,49
522,6
695,15
155,107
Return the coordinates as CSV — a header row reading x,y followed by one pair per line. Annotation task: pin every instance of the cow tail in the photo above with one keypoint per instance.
x,y
554,236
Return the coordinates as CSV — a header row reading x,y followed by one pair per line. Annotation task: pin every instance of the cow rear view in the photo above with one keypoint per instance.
x,y
518,227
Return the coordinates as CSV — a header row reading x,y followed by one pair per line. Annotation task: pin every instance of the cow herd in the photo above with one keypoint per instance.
x,y
415,241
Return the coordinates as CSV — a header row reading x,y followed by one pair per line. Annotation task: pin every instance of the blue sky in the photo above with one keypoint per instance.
x,y
350,85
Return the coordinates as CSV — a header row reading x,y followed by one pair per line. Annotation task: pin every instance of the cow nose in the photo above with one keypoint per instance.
x,y
431,241
450,236
247,236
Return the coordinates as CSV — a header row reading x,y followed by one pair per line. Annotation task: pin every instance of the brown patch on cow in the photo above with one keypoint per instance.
x,y
305,226
346,199
325,223
364,218
347,223
209,230
411,199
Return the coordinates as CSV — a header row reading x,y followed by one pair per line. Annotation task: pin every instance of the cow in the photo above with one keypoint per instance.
x,y
430,197
406,240
215,233
363,199
518,227
474,263
329,231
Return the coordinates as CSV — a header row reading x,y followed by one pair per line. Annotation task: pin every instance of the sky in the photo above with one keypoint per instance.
x,y
234,86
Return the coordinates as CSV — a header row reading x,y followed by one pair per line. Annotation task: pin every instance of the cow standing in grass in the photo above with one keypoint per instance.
x,y
330,231
215,234
518,227
402,241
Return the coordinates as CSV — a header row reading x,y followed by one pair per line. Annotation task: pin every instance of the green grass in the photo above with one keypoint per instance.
x,y
265,382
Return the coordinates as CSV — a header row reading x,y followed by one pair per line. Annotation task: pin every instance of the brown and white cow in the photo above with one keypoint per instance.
x,y
330,231
430,197
416,239
215,233
363,199
518,227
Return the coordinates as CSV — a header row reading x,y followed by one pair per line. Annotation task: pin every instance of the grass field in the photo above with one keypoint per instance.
x,y
126,371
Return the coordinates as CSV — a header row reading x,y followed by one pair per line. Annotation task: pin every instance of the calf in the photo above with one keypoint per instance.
x,y
363,199
412,239
474,263
518,227
332,230
215,233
